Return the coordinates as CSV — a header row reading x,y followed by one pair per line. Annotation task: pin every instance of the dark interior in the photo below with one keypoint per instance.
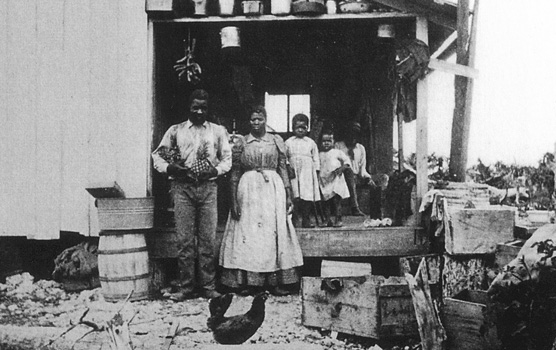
x,y
341,64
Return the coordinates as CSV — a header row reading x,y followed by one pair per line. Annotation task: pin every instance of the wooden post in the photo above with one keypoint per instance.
x,y
421,152
463,91
151,107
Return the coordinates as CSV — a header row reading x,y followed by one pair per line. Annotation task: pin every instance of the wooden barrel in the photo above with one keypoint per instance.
x,y
123,265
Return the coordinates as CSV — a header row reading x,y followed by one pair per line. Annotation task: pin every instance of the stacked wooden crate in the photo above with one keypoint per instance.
x,y
471,240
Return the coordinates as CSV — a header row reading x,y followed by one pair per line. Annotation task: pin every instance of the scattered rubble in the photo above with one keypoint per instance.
x,y
26,303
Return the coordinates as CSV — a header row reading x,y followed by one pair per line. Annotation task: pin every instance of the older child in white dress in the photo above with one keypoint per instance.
x,y
303,156
333,185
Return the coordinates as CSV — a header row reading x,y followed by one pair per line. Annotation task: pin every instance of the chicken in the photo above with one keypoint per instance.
x,y
236,329
218,306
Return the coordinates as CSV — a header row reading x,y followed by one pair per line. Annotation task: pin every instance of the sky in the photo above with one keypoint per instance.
x,y
514,102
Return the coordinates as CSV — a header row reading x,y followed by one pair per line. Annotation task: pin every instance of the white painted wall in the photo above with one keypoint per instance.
x,y
73,110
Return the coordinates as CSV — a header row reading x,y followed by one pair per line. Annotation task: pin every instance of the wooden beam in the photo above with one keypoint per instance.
x,y
431,14
422,137
361,241
463,91
445,45
454,68
151,105
290,18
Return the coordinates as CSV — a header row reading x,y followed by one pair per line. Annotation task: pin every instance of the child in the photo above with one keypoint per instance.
x,y
333,186
303,156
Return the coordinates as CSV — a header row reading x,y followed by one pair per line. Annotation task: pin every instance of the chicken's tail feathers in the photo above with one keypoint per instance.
x,y
219,305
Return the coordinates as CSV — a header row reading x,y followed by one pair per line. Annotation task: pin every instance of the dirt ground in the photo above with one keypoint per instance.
x,y
44,305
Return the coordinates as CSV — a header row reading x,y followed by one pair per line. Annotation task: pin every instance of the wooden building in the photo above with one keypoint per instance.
x,y
87,88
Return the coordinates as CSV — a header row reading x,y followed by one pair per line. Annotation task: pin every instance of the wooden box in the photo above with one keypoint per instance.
x,y
368,306
477,231
461,272
470,322
506,252
410,264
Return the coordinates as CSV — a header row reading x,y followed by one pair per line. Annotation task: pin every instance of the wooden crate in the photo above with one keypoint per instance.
x,y
470,322
368,306
506,252
462,272
477,231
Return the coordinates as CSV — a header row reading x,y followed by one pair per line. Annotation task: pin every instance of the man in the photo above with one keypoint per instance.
x,y
357,174
204,154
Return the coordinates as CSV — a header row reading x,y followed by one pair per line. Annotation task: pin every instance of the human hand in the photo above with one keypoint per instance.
x,y
339,171
210,173
177,171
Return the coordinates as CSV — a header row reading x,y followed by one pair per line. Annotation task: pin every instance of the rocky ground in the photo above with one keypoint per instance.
x,y
28,305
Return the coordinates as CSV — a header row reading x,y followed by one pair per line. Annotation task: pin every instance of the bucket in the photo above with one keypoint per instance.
x,y
280,7
252,7
123,265
200,8
125,213
386,31
230,37
226,7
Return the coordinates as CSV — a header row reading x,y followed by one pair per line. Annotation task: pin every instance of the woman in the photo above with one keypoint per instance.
x,y
260,248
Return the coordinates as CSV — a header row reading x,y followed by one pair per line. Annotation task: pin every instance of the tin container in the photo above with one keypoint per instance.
x,y
252,7
280,7
226,7
229,37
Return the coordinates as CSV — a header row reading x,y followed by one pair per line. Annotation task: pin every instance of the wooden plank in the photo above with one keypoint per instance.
x,y
353,310
22,89
422,127
454,68
382,241
330,268
506,252
74,215
4,174
134,122
432,14
477,231
445,45
51,97
291,18
470,322
397,314
409,264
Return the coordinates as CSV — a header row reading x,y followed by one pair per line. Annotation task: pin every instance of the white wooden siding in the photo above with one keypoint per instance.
x,y
73,109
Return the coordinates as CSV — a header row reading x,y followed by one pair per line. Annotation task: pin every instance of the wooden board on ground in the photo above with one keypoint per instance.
x,y
368,306
331,268
470,322
477,231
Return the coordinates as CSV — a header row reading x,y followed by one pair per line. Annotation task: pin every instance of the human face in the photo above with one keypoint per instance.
x,y
300,129
258,123
198,111
327,142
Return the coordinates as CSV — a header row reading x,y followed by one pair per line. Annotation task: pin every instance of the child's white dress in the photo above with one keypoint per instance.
x,y
303,155
330,161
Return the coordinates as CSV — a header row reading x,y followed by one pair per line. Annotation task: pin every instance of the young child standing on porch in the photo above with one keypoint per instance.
x,y
303,156
333,185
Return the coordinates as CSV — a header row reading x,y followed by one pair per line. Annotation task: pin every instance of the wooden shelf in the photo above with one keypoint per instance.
x,y
289,18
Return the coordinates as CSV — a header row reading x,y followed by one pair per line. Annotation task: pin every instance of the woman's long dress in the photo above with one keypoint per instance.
x,y
261,248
